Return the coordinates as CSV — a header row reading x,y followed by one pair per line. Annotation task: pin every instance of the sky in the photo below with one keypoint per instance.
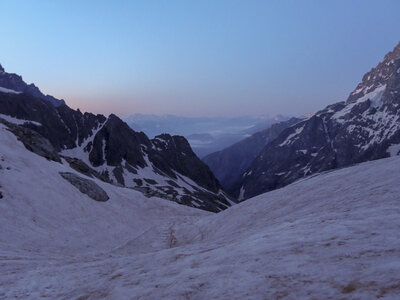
x,y
197,58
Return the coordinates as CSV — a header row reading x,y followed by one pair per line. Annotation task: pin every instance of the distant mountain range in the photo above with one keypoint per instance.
x,y
205,135
107,148
364,127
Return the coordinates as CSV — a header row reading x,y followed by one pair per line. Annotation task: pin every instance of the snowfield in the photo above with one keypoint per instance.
x,y
331,236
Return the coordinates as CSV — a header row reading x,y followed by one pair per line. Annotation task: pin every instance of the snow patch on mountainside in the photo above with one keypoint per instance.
x,y
241,193
8,91
375,97
290,139
18,121
149,172
79,151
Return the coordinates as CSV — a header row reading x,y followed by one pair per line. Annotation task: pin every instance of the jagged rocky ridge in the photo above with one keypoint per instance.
x,y
15,83
365,127
107,148
230,163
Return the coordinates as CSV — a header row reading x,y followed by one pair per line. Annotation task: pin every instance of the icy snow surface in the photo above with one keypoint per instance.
x,y
331,236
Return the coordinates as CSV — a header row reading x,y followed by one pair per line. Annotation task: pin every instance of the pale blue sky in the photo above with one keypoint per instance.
x,y
197,58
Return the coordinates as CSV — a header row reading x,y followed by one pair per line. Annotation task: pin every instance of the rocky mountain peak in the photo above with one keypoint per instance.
x,y
395,54
16,83
167,141
383,74
114,117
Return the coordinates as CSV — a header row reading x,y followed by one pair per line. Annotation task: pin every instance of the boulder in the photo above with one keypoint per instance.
x,y
86,186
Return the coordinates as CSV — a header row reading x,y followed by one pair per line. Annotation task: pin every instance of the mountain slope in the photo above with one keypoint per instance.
x,y
363,128
330,236
109,149
230,163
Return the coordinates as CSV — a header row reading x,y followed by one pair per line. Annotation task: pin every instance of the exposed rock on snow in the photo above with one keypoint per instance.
x,y
86,186
81,167
33,141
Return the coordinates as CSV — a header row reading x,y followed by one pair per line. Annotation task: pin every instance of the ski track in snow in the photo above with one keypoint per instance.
x,y
335,235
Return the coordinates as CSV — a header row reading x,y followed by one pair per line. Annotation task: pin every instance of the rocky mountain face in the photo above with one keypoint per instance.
x,y
365,127
229,164
16,83
107,148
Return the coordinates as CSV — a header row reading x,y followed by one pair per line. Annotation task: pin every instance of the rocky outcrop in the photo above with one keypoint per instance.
x,y
81,167
365,127
86,186
175,153
229,164
116,142
33,141
62,126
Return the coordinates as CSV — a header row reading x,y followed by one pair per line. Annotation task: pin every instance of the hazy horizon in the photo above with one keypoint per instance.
x,y
203,59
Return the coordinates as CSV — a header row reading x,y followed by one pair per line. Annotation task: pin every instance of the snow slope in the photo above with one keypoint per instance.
x,y
334,235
